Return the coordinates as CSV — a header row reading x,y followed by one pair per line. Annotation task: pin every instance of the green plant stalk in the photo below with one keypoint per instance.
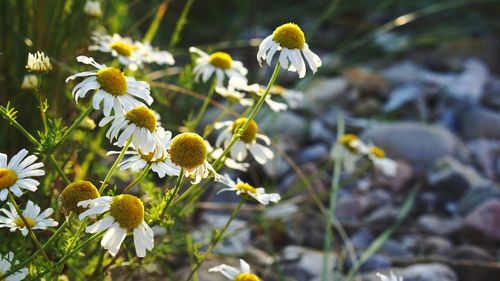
x,y
217,239
252,115
139,178
177,186
39,96
30,230
190,250
153,28
208,98
71,245
380,240
179,25
337,169
114,166
59,170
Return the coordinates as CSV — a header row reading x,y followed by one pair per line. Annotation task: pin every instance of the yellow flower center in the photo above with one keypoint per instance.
x,y
246,277
123,48
249,134
348,140
142,117
127,210
76,192
112,80
377,151
289,36
20,223
245,187
147,157
7,178
221,60
188,150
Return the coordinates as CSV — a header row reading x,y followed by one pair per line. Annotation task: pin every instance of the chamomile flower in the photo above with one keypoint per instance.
x,y
148,54
290,41
32,216
233,96
38,63
74,193
161,165
387,166
219,63
140,124
234,274
256,91
112,88
247,141
16,174
92,8
125,213
228,162
293,98
242,188
189,151
392,277
123,48
6,263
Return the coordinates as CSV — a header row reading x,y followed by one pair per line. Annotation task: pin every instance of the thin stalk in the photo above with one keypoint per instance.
x,y
138,179
181,22
28,226
41,106
59,170
153,28
71,245
115,165
337,168
218,238
252,115
177,186
208,98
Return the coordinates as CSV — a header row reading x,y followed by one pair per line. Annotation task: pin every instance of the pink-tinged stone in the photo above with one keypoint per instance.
x,y
485,220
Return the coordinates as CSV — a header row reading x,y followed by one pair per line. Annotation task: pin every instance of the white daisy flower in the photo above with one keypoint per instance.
x,y
290,41
228,162
92,8
234,274
189,151
31,214
232,95
15,175
148,54
293,98
6,263
161,165
392,277
242,188
123,48
247,141
112,88
140,124
387,166
38,63
256,91
219,63
125,213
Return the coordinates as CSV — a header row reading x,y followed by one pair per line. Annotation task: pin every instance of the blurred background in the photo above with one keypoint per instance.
x,y
420,79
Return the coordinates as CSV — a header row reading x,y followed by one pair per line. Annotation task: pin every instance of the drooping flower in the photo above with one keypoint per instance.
x,y
115,90
189,151
387,166
247,141
6,262
16,175
234,274
125,213
32,216
92,8
38,63
219,63
290,41
74,193
256,91
242,188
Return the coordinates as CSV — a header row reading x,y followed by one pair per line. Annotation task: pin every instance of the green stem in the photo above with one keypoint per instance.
x,y
174,193
41,106
138,179
337,168
71,245
252,115
181,22
28,226
153,28
208,98
115,165
217,239
59,170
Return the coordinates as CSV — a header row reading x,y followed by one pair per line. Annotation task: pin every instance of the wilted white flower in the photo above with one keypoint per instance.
x,y
32,216
256,91
6,263
234,274
290,41
92,8
126,214
30,82
219,63
242,188
38,63
15,175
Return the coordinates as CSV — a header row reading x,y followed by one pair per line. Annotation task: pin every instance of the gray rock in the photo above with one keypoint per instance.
x,y
434,245
436,225
491,95
472,273
309,260
476,196
403,72
362,239
428,272
286,124
319,132
376,262
381,218
479,123
487,153
394,248
418,144
324,92
484,221
402,95
317,152
350,208
276,167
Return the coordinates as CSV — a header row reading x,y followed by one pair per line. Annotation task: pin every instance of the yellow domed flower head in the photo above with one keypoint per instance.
x,y
352,143
74,193
219,63
189,151
247,141
377,152
234,274
32,217
139,124
244,189
124,213
290,41
112,88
